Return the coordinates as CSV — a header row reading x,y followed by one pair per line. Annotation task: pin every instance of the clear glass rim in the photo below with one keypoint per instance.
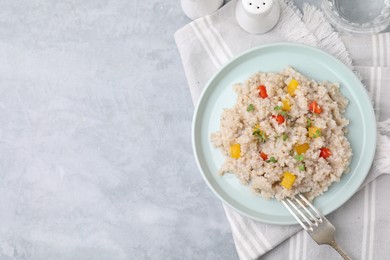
x,y
349,27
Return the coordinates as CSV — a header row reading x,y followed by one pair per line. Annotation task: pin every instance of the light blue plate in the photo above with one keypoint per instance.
x,y
313,63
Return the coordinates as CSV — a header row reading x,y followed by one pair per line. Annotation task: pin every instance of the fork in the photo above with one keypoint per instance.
x,y
314,222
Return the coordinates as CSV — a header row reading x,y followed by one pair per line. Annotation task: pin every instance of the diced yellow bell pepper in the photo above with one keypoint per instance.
x,y
235,151
314,132
301,148
286,105
292,86
288,180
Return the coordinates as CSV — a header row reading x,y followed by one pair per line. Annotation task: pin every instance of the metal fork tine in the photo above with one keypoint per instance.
x,y
315,220
322,231
309,223
319,215
295,215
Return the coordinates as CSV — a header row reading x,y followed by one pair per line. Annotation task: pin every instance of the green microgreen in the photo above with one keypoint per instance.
x,y
272,159
260,135
299,157
309,122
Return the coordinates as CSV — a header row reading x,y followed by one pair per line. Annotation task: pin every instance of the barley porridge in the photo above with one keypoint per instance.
x,y
285,135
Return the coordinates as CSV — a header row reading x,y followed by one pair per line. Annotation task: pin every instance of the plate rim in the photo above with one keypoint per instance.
x,y
195,119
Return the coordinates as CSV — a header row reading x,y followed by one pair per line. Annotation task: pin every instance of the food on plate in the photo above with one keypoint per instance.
x,y
286,134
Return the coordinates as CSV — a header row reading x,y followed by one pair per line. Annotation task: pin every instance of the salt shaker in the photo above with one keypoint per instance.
x,y
257,16
198,8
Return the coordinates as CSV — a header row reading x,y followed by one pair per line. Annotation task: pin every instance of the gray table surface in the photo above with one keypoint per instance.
x,y
95,123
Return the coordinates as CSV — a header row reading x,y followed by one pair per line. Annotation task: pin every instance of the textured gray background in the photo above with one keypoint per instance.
x,y
95,153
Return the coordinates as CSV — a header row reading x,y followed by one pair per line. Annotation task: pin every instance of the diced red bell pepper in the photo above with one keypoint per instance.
x,y
262,91
264,156
315,108
325,152
279,118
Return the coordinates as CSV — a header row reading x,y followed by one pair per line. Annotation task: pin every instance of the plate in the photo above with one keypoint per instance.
x,y
313,63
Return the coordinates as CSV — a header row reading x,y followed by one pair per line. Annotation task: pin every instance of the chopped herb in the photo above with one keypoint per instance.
x,y
250,108
280,110
309,122
315,114
263,137
260,134
292,152
299,157
272,159
285,137
301,167
283,113
256,132
317,133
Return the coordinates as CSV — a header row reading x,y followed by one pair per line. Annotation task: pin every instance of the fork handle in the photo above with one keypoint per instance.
x,y
339,250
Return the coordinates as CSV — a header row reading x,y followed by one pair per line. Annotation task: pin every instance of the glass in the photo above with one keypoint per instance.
x,y
358,16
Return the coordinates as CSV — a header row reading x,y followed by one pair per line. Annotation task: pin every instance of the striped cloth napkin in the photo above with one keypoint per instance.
x,y
363,226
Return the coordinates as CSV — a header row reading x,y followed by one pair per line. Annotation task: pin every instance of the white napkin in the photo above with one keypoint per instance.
x,y
209,42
